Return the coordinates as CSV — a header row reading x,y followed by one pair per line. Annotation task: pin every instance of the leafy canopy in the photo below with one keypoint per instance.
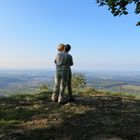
x,y
119,7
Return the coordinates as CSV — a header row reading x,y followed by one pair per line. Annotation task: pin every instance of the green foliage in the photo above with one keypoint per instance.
x,y
89,90
9,123
28,98
119,7
44,87
43,95
22,97
78,81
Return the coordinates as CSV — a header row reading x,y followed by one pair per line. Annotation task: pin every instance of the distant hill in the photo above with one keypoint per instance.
x,y
29,81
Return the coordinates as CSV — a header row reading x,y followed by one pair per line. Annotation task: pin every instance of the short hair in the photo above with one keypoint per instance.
x,y
67,47
61,47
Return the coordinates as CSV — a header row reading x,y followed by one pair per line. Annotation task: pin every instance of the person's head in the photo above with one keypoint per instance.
x,y
61,47
67,48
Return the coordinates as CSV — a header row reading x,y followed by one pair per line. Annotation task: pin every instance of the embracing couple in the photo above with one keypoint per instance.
x,y
63,74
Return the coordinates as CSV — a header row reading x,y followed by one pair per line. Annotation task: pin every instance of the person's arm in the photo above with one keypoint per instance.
x,y
71,62
55,60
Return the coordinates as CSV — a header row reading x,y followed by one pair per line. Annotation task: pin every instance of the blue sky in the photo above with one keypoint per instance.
x,y
30,31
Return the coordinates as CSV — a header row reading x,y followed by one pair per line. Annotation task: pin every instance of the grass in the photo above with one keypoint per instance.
x,y
94,115
5,124
132,87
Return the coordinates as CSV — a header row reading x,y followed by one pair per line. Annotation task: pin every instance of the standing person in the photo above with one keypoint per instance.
x,y
60,76
69,62
63,74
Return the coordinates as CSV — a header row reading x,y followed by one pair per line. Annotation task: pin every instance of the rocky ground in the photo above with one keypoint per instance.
x,y
94,116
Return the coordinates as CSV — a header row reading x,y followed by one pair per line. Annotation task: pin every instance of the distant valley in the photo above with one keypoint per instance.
x,y
30,81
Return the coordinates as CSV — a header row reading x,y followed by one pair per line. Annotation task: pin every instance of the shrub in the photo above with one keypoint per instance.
x,y
44,88
78,81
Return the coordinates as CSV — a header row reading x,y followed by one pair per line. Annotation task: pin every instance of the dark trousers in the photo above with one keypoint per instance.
x,y
69,78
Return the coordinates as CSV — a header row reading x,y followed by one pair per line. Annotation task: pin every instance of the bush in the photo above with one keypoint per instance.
x,y
78,81
44,88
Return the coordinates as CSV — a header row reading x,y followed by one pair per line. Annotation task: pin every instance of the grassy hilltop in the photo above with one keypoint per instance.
x,y
93,116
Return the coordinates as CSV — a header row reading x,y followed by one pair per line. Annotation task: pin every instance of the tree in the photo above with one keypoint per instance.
x,y
119,7
78,81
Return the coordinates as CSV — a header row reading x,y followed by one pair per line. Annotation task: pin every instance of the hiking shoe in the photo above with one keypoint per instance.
x,y
62,101
53,99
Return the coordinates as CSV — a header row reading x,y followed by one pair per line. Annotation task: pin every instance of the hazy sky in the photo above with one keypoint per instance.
x,y
30,30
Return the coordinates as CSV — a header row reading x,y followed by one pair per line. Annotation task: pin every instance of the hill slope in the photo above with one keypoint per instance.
x,y
94,115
